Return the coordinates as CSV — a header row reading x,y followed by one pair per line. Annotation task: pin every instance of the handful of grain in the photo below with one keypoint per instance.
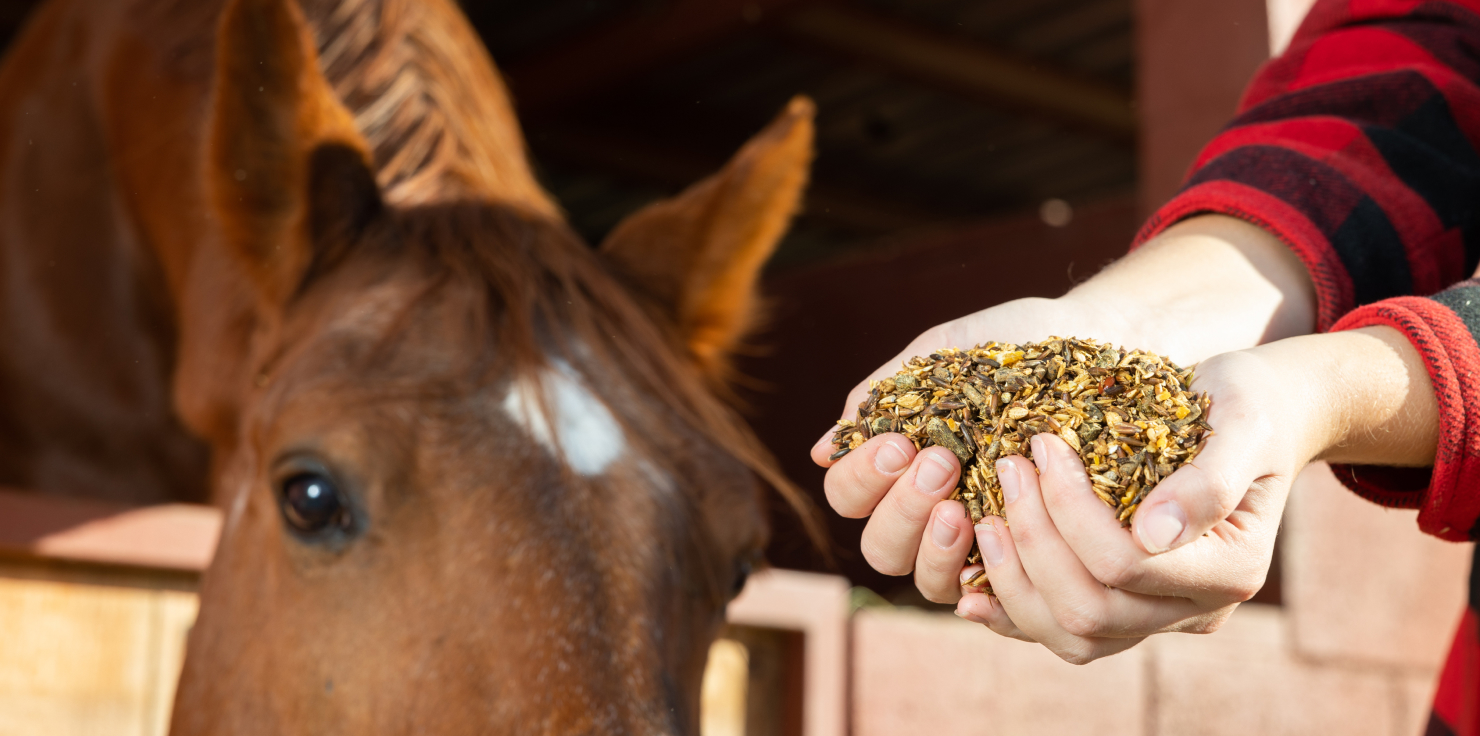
x,y
1130,415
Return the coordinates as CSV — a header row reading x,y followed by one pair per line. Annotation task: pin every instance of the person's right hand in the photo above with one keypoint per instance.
x,y
911,527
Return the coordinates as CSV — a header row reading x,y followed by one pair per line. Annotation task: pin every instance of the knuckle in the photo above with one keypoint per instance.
x,y
1242,592
1208,623
847,493
1077,622
879,560
1115,572
1224,493
1077,655
842,503
934,568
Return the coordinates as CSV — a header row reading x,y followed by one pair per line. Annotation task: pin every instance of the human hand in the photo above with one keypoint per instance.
x,y
898,488
1221,285
1065,574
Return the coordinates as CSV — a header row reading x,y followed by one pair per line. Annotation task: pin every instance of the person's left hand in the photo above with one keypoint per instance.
x,y
1067,575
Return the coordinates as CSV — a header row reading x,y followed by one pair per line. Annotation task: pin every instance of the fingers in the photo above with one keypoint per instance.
x,y
856,483
1084,522
1224,567
1079,603
943,550
988,611
891,539
1023,603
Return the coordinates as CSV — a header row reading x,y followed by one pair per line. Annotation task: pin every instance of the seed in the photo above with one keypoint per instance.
x,y
975,580
1069,438
942,435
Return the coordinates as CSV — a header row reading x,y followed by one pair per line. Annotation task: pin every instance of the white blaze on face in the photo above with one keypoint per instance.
x,y
585,433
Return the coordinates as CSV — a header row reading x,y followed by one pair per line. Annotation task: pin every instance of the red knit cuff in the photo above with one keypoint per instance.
x,y
1449,502
1335,294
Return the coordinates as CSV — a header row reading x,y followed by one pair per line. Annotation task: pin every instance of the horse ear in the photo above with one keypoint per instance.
x,y
288,170
700,253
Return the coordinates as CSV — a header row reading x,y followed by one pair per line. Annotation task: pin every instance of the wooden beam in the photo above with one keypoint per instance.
x,y
167,536
950,62
619,50
666,165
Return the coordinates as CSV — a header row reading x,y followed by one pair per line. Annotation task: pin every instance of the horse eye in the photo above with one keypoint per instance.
x,y
742,573
311,503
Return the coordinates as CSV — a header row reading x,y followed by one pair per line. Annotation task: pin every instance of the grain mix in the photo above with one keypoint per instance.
x,y
1131,415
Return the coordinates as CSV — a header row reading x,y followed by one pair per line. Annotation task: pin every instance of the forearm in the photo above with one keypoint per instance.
x,y
1208,285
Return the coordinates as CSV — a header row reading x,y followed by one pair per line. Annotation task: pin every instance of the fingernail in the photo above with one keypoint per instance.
x,y
973,577
890,459
1161,525
1036,443
1007,475
971,617
932,475
943,532
990,544
826,439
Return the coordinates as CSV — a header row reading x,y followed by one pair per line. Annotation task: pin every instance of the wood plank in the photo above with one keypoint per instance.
x,y
81,659
167,536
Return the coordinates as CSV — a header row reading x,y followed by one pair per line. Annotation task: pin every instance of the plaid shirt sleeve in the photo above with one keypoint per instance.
x,y
1357,147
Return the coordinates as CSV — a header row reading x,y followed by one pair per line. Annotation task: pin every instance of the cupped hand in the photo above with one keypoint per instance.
x,y
1066,574
911,528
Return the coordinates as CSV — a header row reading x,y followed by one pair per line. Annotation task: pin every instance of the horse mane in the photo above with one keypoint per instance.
x,y
427,99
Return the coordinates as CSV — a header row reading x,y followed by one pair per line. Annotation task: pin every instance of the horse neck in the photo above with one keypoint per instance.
x,y
428,100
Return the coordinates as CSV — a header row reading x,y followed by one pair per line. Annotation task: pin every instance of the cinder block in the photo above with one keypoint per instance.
x,y
932,673
1362,583
1244,680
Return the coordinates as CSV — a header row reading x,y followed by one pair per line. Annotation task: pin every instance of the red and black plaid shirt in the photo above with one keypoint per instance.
x,y
1359,147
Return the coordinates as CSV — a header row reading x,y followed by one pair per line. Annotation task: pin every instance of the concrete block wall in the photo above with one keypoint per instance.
x,y
1370,605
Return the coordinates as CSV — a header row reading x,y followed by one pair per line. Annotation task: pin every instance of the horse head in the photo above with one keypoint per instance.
x,y
479,477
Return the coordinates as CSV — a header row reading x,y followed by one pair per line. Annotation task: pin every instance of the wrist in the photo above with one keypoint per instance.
x,y
1383,386
1360,397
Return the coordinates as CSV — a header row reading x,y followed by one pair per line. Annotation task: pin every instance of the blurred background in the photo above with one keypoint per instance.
x,y
969,152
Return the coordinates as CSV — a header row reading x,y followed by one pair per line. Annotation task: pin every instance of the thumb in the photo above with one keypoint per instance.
x,y
1191,501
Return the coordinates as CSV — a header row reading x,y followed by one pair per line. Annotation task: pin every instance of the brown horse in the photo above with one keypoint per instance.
x,y
478,476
